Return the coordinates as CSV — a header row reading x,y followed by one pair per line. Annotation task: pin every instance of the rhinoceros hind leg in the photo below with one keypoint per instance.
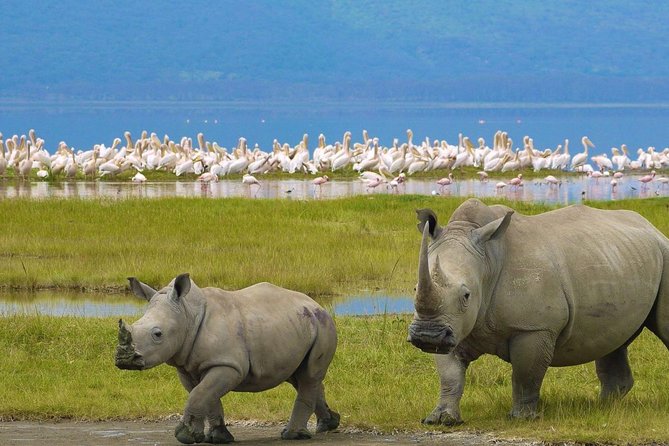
x,y
219,435
613,371
187,435
329,423
441,415
300,434
327,419
658,320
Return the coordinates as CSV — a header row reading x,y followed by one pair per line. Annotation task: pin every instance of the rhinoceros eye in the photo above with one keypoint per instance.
x,y
466,295
157,334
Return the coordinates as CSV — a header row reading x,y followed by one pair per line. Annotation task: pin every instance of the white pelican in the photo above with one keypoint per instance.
x,y
3,160
581,158
139,178
26,165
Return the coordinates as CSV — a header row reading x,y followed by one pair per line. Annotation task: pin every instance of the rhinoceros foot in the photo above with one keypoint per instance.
x,y
301,434
219,435
443,417
523,413
186,435
328,424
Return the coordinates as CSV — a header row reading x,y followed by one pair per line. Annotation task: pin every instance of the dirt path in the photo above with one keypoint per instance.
x,y
162,433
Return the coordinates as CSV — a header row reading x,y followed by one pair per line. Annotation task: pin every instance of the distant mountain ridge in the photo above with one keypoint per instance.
x,y
335,49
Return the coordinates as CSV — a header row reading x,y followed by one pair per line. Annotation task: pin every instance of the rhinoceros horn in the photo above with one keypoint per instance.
x,y
426,301
124,335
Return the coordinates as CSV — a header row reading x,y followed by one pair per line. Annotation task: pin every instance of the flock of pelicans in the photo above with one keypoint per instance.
x,y
378,165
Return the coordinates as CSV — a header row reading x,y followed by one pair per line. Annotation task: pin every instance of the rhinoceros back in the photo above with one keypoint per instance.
x,y
597,273
268,328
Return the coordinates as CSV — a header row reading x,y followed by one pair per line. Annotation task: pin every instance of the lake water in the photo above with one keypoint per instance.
x,y
64,303
572,190
83,124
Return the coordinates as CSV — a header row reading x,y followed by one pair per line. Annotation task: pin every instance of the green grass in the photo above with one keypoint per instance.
x,y
318,247
63,368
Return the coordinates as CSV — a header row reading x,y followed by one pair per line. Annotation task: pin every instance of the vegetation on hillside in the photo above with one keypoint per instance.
x,y
336,49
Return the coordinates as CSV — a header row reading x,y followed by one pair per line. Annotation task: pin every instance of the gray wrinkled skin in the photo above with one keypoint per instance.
x,y
246,341
565,287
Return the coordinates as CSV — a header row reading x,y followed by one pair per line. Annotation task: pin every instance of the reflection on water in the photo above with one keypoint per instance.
x,y
571,190
93,305
55,303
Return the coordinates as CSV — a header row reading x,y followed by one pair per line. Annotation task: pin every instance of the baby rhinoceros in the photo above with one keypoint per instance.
x,y
246,341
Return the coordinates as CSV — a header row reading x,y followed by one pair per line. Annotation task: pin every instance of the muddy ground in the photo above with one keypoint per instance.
x,y
114,433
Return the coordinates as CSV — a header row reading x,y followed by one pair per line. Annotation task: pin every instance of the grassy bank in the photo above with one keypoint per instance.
x,y
63,367
318,247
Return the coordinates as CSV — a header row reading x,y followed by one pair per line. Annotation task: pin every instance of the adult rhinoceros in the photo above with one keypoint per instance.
x,y
562,288
220,341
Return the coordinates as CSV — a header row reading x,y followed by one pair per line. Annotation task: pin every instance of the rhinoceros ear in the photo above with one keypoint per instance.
x,y
181,286
141,289
427,216
493,230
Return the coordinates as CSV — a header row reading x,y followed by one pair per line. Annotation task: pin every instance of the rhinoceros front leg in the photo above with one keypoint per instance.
x,y
204,402
530,355
218,433
451,369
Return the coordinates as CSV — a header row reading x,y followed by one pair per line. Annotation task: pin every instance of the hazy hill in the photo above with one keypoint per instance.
x,y
499,50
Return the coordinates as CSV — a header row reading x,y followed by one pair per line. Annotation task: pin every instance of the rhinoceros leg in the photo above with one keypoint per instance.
x,y
451,369
326,418
613,371
204,402
530,355
304,406
218,433
658,320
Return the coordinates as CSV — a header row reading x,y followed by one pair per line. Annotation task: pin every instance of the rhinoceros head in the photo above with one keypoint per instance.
x,y
451,280
160,333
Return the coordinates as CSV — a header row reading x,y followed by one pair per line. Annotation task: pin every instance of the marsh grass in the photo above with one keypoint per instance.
x,y
63,368
318,247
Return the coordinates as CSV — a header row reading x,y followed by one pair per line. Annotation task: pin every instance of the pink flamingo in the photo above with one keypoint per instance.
x,y
647,178
517,182
552,181
596,175
250,180
373,183
483,176
446,181
614,184
319,181
395,182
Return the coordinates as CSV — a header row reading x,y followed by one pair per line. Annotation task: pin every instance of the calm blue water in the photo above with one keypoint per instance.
x,y
105,305
82,125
